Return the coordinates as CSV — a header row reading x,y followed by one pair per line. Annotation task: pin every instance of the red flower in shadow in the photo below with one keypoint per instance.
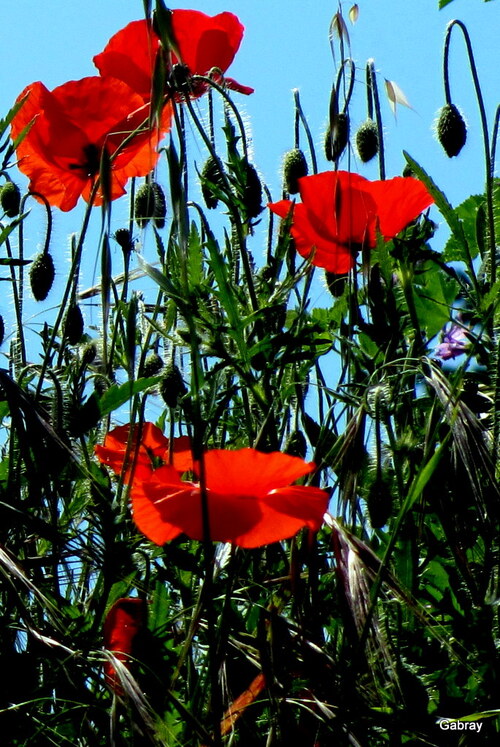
x,y
341,212
251,501
72,125
123,622
204,42
152,451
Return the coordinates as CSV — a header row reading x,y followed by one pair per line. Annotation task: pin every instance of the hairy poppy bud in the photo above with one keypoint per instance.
x,y
252,194
152,365
42,275
335,283
294,167
150,205
73,324
210,175
367,140
451,130
337,137
172,386
379,502
88,354
124,239
10,199
296,444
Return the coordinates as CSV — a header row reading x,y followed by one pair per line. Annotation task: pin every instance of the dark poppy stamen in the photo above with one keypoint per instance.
x,y
90,166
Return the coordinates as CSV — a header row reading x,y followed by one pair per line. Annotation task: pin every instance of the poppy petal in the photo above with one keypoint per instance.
x,y
399,201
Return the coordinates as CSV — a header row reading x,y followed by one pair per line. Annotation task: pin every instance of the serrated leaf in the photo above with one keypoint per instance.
x,y
467,213
444,207
395,95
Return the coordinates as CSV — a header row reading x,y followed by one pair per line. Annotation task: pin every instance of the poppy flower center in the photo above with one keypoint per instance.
x,y
92,160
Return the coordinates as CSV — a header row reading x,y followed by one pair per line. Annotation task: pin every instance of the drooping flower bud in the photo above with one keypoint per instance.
x,y
252,194
210,175
294,167
451,130
149,205
367,140
10,199
42,273
337,137
172,386
73,324
335,283
152,366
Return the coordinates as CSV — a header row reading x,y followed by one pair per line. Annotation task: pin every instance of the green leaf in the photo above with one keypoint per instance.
x,y
434,293
468,213
119,394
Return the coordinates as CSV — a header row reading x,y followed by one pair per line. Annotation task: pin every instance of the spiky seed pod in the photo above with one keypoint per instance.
x,y
73,324
210,174
294,167
296,444
451,130
252,193
172,386
379,502
42,275
124,239
337,137
160,206
10,199
149,205
367,140
152,365
2,329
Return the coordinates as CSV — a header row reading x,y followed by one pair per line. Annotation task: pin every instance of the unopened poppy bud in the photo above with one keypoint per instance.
x,y
10,199
172,386
73,325
296,444
294,167
337,137
2,329
42,275
150,205
123,237
160,206
152,365
252,194
451,130
210,175
88,354
379,503
367,140
335,283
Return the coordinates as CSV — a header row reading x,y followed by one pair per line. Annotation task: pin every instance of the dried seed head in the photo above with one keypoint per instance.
x,y
367,140
337,137
210,175
172,386
42,275
160,206
73,324
294,167
451,130
10,199
123,237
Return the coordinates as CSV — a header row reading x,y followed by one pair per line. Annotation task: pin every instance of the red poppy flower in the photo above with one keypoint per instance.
x,y
123,622
251,501
153,449
204,42
341,212
72,125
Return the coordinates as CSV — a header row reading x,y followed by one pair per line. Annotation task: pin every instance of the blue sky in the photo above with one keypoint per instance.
x,y
286,46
